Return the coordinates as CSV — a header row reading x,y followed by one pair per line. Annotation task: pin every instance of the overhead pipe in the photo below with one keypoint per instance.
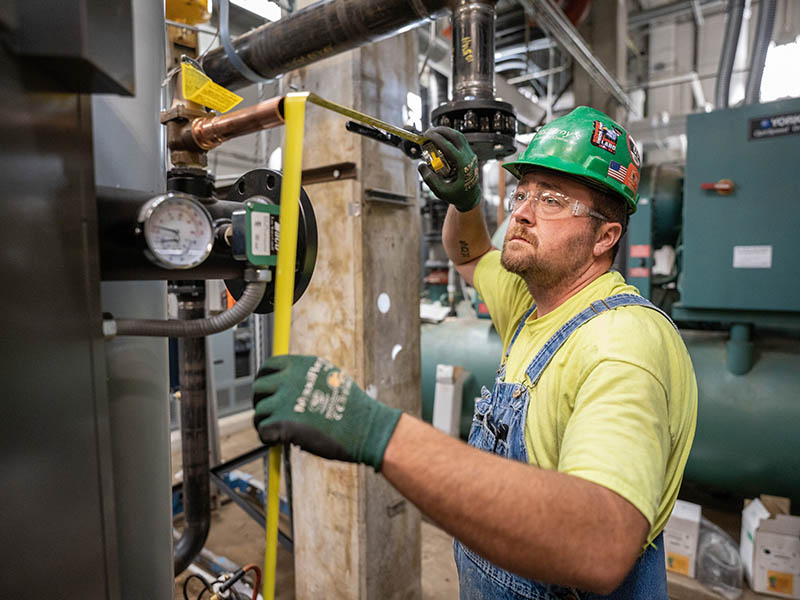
x,y
766,21
730,42
673,11
557,25
315,32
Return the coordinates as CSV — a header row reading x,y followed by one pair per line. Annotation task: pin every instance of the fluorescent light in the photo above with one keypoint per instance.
x,y
266,10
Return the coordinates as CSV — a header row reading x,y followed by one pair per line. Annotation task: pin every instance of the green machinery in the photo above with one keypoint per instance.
x,y
734,290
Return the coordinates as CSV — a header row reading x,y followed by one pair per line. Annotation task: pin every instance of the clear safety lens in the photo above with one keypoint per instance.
x,y
551,205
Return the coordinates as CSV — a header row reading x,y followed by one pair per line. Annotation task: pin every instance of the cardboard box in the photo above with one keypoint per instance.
x,y
770,547
680,538
447,398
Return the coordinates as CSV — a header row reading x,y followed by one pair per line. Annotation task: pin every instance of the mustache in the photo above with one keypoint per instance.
x,y
519,232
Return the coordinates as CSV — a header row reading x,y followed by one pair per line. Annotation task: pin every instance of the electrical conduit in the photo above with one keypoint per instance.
x,y
766,21
250,299
729,44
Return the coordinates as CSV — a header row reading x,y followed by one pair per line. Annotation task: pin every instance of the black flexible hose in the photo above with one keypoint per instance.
x,y
732,29
766,21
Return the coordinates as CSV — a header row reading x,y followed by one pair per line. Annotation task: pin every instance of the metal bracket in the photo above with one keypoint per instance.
x,y
384,197
334,172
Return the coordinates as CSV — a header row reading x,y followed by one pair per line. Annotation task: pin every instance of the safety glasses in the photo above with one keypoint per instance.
x,y
551,205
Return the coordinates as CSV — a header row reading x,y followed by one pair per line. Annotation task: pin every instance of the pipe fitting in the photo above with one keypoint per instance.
x,y
209,132
740,350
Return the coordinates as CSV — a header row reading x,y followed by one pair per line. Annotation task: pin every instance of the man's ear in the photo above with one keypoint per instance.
x,y
608,234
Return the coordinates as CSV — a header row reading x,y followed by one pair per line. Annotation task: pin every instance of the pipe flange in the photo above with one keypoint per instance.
x,y
266,184
488,125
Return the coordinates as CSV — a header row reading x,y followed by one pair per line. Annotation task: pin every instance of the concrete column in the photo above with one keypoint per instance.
x,y
605,31
355,536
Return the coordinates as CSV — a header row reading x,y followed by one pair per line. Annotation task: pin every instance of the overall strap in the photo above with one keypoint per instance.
x,y
598,307
519,328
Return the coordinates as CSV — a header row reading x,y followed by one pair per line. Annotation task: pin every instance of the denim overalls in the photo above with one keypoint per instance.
x,y
499,427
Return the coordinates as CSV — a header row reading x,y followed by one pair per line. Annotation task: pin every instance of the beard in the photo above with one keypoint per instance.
x,y
546,270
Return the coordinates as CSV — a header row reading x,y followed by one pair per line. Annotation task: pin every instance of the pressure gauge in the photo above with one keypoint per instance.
x,y
177,230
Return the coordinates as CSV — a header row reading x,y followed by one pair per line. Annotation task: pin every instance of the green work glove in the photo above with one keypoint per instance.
x,y
307,401
462,189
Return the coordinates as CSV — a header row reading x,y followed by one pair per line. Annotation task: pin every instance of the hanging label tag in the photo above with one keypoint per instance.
x,y
198,87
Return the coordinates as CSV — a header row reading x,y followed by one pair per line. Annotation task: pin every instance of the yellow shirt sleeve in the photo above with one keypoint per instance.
x,y
618,434
505,294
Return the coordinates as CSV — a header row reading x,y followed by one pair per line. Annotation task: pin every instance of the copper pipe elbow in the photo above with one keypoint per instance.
x,y
210,132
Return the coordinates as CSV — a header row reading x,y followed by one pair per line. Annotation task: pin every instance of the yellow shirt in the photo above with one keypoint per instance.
x,y
617,405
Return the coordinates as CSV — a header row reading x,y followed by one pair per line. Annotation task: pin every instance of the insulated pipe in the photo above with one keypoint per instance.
x,y
766,21
473,50
194,435
316,32
732,28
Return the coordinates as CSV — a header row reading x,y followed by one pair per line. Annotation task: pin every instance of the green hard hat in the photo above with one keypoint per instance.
x,y
588,144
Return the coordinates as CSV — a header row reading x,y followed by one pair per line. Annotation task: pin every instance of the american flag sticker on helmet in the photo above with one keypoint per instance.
x,y
617,171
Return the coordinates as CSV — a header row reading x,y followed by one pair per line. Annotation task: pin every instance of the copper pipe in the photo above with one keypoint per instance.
x,y
210,132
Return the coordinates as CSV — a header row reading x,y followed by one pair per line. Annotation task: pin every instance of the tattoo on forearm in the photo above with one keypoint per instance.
x,y
464,248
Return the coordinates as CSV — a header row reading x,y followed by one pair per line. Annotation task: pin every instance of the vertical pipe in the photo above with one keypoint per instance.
x,y
766,22
740,351
729,44
194,434
473,50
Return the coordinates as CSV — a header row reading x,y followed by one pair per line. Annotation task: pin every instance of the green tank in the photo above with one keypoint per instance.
x,y
468,342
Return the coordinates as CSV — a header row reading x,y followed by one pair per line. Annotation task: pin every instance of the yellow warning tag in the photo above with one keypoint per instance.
x,y
198,87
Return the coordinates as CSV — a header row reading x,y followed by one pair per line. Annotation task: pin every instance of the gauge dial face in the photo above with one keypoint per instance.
x,y
177,230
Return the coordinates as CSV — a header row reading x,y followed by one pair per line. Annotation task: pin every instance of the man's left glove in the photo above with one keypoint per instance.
x,y
307,401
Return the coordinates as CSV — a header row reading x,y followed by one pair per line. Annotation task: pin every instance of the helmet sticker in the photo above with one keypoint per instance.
x,y
635,157
632,178
605,137
617,171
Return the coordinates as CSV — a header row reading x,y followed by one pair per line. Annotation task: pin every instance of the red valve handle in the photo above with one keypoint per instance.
x,y
723,186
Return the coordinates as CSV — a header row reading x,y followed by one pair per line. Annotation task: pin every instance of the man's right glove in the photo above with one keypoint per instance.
x,y
461,189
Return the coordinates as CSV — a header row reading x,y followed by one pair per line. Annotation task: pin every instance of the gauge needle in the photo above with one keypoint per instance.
x,y
175,231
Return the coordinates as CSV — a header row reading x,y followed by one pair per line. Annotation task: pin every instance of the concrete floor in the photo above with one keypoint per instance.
x,y
237,537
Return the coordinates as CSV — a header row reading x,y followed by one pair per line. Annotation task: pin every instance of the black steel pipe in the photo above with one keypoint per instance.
x,y
473,50
316,32
194,434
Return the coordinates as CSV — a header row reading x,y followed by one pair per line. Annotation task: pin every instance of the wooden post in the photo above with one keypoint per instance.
x,y
355,536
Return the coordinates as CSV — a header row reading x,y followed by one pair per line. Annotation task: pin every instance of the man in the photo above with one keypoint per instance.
x,y
579,450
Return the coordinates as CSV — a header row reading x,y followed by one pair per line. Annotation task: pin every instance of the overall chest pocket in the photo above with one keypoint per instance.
x,y
483,409
497,419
